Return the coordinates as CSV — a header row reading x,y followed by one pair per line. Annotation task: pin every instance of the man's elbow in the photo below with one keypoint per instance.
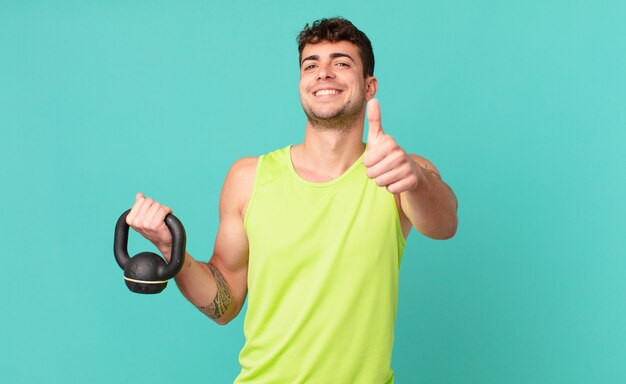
x,y
447,235
228,316
223,321
444,231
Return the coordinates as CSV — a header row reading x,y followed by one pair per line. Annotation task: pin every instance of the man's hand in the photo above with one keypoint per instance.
x,y
385,161
148,218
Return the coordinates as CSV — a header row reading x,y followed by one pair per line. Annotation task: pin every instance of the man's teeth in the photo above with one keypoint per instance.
x,y
326,92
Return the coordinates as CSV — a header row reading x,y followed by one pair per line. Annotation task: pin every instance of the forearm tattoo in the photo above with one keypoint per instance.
x,y
222,299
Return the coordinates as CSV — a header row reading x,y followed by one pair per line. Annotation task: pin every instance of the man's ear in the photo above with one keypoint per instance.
x,y
371,86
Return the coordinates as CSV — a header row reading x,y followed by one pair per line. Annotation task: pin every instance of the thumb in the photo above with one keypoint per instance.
x,y
373,118
139,195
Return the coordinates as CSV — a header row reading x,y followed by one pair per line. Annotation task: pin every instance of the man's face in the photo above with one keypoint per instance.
x,y
332,87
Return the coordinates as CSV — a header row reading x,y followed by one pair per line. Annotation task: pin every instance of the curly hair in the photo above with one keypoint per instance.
x,y
338,29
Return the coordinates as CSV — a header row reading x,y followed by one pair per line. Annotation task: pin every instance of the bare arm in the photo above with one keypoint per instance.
x,y
425,201
217,288
431,206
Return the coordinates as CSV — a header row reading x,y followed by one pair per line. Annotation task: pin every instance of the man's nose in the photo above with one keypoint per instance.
x,y
325,72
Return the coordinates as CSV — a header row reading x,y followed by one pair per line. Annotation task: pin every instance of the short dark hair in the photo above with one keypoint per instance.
x,y
338,29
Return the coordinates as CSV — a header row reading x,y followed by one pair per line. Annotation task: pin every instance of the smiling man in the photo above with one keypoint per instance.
x,y
313,234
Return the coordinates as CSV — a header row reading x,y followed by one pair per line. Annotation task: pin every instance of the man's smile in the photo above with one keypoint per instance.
x,y
326,91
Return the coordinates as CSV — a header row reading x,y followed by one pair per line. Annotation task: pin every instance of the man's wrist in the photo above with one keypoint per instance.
x,y
166,250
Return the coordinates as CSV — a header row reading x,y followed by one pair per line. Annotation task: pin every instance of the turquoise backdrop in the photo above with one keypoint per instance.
x,y
521,105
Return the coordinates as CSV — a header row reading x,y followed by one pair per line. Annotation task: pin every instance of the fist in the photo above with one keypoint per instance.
x,y
148,218
385,161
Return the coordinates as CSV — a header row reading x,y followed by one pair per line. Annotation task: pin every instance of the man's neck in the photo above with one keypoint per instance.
x,y
326,153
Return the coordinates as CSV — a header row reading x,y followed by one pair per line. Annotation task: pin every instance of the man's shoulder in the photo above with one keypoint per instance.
x,y
238,185
244,165
242,172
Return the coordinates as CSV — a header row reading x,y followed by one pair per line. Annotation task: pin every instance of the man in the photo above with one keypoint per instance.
x,y
313,234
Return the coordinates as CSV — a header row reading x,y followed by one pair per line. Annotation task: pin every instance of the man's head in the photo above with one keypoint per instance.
x,y
336,73
334,30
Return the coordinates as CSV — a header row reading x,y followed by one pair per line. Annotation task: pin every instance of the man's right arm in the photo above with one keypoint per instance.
x,y
217,288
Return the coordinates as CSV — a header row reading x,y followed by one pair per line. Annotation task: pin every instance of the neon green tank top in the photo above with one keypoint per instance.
x,y
322,277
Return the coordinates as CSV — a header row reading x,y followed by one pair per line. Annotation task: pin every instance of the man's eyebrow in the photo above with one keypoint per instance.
x,y
311,57
339,54
333,55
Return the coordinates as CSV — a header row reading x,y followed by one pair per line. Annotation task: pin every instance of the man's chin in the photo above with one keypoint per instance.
x,y
325,113
337,121
317,117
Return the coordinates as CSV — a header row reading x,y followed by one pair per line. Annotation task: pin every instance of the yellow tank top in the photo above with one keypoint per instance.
x,y
322,277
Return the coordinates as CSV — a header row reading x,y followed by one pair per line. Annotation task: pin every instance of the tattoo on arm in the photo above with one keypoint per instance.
x,y
222,299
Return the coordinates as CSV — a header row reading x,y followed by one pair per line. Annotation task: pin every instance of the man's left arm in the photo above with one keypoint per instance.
x,y
431,206
426,201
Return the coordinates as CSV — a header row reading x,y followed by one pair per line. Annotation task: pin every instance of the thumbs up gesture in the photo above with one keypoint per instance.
x,y
385,161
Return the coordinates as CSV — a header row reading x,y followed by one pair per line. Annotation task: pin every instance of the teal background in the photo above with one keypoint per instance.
x,y
521,105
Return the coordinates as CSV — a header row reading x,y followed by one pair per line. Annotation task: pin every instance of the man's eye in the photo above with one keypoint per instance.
x,y
342,64
310,66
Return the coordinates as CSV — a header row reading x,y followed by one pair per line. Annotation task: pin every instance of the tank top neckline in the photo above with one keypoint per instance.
x,y
324,184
